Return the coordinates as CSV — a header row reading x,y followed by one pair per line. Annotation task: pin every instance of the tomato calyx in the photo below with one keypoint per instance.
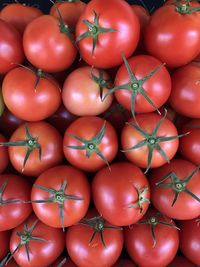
x,y
152,141
93,31
2,105
135,86
141,199
31,143
91,146
116,107
178,185
58,197
184,8
99,225
25,238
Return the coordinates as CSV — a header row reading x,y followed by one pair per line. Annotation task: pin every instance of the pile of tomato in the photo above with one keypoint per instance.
x,y
100,135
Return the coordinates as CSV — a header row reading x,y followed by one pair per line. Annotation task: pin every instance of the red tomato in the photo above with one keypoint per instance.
x,y
48,45
156,237
175,189
189,239
3,155
124,263
83,91
61,196
11,49
19,15
44,244
122,194
105,30
180,261
13,191
29,96
90,143
169,28
4,243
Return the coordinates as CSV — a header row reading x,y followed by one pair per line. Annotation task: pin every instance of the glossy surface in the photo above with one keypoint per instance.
x,y
3,155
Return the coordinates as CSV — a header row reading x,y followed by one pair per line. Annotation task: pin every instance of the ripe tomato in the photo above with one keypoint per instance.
x,y
180,261
124,263
34,147
48,44
104,30
3,155
189,239
122,194
90,143
19,15
11,49
14,190
156,237
167,31
175,189
83,91
34,243
4,243
61,196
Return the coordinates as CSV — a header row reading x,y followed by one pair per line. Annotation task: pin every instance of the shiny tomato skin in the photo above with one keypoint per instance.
x,y
4,243
116,15
46,47
166,34
3,155
124,263
77,185
81,94
41,253
11,215
87,128
186,207
114,203
11,49
27,102
180,261
157,88
50,141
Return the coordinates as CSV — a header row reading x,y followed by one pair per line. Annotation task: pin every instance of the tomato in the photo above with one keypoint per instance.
x,y
105,30
169,28
124,263
70,11
185,94
14,190
48,44
34,147
11,49
180,261
94,242
2,105
175,189
63,262
44,244
189,240
83,91
122,194
153,242
151,142
61,196
90,143
3,155
19,15
4,243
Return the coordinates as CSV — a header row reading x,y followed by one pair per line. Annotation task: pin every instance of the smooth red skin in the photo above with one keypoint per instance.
x,y
41,253
131,137
111,201
27,102
157,88
3,155
19,15
81,94
185,95
77,185
113,14
12,215
124,263
49,139
94,254
87,128
68,263
11,49
4,243
189,146
46,47
180,261
189,240
162,198
166,34
70,12
139,244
